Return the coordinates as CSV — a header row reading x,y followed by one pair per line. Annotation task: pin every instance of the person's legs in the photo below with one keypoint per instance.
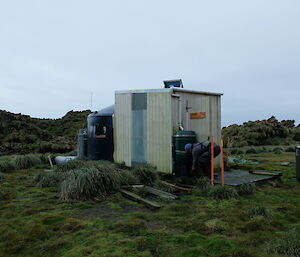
x,y
204,165
217,150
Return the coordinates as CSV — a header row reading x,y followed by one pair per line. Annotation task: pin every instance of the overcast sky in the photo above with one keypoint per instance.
x,y
53,54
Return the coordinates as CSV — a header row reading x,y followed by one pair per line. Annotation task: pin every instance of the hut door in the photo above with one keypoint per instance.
x,y
139,128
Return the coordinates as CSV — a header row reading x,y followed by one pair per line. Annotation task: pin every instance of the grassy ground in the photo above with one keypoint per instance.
x,y
33,222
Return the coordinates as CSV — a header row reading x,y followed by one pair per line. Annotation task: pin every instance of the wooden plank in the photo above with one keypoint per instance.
x,y
265,172
139,199
160,193
177,187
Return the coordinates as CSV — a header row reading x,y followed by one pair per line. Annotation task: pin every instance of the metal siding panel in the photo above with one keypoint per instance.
x,y
209,126
174,107
123,117
159,127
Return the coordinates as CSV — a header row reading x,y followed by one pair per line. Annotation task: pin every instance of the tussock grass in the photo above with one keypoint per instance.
x,y
7,165
146,174
89,182
121,165
222,193
70,165
49,179
258,211
44,158
26,161
246,189
82,180
203,183
288,245
128,178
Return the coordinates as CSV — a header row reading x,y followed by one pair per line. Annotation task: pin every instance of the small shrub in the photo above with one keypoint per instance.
x,y
26,161
7,165
203,183
288,245
246,189
222,193
251,150
258,211
146,174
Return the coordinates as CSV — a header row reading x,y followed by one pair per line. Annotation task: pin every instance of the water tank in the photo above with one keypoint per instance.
x,y
100,134
182,161
82,144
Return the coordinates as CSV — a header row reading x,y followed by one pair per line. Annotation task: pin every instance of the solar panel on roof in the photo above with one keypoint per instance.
x,y
173,83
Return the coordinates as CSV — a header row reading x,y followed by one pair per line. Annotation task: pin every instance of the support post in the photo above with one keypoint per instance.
x,y
212,164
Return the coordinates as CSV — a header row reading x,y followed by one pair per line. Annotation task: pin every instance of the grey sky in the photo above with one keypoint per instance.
x,y
54,53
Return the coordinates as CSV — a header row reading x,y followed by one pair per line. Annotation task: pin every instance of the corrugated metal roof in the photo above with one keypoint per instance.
x,y
171,90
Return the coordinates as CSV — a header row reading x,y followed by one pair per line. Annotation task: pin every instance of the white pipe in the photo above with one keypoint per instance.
x,y
179,112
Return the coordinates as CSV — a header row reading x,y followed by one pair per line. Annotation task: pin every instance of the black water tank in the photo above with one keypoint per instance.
x,y
182,160
100,134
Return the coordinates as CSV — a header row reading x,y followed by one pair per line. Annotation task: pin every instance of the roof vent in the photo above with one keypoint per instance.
x,y
173,83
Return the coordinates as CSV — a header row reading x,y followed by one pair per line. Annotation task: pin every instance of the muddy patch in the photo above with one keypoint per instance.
x,y
103,211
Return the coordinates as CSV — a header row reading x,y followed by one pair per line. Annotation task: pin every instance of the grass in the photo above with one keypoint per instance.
x,y
26,161
35,222
258,211
246,189
289,244
222,193
7,165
